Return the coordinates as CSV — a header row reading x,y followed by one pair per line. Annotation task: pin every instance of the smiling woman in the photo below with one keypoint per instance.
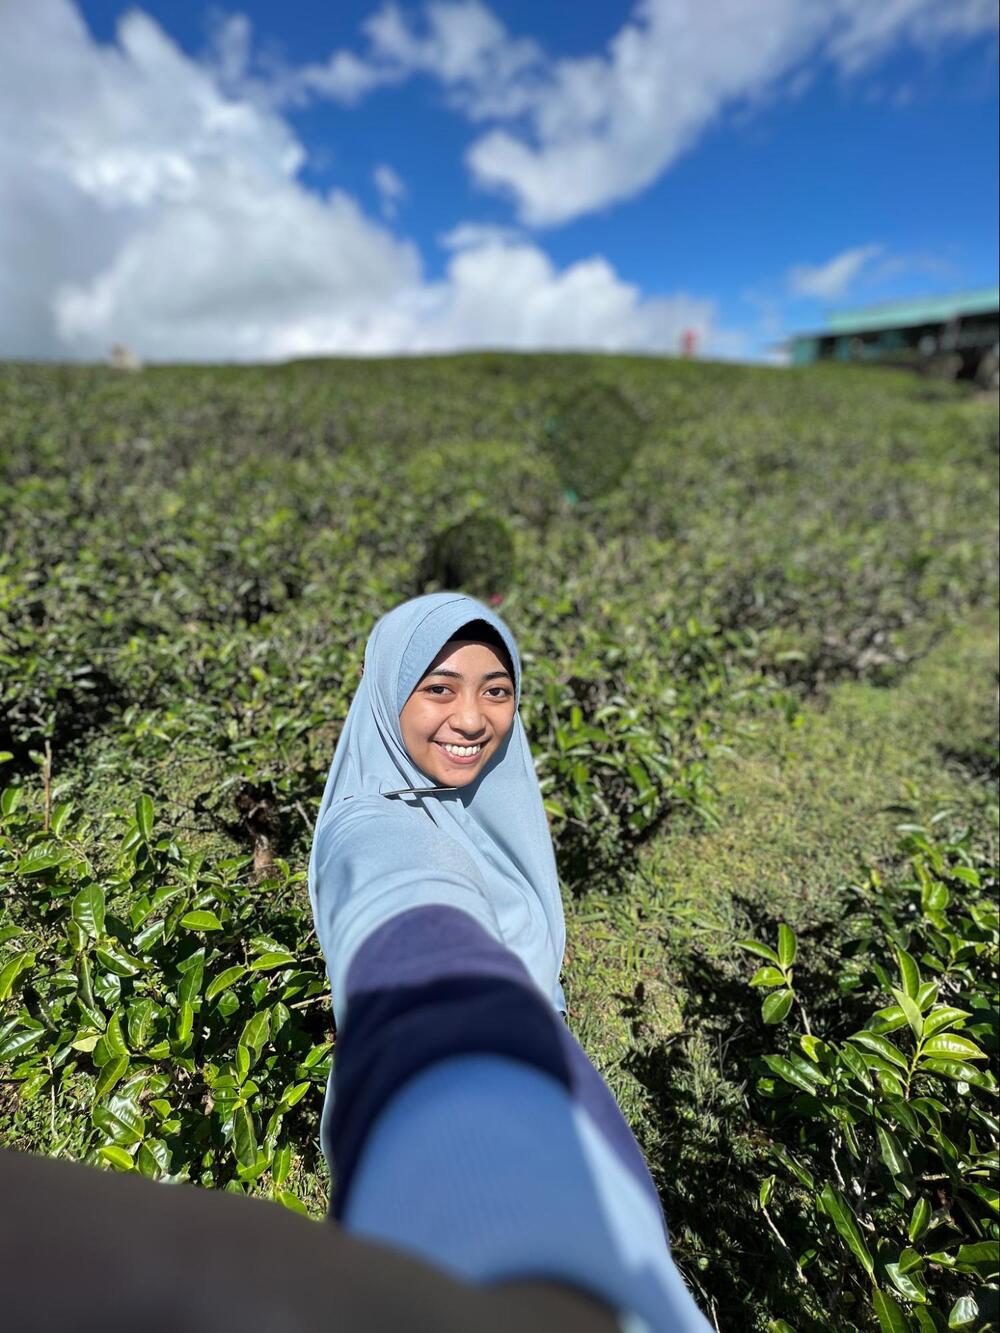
x,y
464,1124
460,713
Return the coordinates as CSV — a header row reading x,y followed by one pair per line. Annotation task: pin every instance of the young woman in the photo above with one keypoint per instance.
x,y
464,1124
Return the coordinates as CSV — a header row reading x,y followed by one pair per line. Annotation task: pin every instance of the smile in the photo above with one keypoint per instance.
x,y
465,752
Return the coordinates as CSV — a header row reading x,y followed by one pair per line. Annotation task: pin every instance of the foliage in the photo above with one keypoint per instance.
x,y
191,560
884,1140
592,434
148,1003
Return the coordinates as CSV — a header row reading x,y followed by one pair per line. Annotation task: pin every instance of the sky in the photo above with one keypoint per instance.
x,y
202,183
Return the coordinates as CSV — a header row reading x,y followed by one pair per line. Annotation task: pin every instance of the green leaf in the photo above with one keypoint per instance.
x,y
889,1019
140,1018
909,973
796,1071
791,1164
943,1016
116,1157
787,946
925,1320
950,1046
911,1010
761,950
919,1219
21,1039
963,1312
906,1284
111,1074
119,962
243,1061
185,1022
88,910
223,981
266,961
256,1030
891,1152
114,1038
852,1059
281,1164
818,1051
981,1258
121,1120
911,1262
144,817
288,1200
244,1136
890,1317
881,1046
767,976
153,1159
40,859
957,1069
148,935
839,1211
201,920
294,1094
18,964
765,1191
775,1008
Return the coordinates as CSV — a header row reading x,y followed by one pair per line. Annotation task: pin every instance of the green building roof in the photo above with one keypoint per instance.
x,y
904,314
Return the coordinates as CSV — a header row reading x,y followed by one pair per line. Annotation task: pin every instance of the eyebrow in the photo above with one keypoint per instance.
x,y
457,675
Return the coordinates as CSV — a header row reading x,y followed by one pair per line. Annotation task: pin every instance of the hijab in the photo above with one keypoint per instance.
x,y
498,819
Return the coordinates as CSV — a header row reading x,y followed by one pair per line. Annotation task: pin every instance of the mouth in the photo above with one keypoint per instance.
x,y
463,755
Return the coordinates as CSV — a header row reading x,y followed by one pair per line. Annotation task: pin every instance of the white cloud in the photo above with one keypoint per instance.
x,y
865,31
602,128
469,235
828,281
391,189
147,206
596,129
460,42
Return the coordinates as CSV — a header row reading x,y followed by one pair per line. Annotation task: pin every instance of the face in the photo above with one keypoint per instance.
x,y
465,700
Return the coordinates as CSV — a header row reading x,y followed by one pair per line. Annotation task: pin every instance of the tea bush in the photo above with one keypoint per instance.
x,y
151,1010
191,560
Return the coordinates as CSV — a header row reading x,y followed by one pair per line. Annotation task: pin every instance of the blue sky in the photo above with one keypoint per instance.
x,y
272,180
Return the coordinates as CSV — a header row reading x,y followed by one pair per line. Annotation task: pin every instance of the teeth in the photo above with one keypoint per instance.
x,y
462,750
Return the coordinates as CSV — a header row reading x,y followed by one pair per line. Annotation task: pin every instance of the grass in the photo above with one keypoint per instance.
x,y
803,809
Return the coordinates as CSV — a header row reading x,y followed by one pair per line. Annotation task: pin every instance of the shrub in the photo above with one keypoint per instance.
x,y
884,1140
172,1015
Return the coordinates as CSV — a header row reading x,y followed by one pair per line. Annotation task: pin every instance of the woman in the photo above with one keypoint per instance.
x,y
464,1124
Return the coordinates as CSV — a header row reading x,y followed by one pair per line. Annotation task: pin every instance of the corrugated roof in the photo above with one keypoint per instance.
x,y
903,314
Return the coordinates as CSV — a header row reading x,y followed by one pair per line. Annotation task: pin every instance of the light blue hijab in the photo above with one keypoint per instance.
x,y
372,830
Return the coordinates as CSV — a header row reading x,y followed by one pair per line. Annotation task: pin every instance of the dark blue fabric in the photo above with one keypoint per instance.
x,y
430,984
395,1031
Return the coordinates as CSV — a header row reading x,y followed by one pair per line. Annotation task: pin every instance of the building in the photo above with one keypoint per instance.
x,y
955,336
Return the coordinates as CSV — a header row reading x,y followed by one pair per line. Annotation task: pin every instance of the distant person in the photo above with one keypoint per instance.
x,y
464,1124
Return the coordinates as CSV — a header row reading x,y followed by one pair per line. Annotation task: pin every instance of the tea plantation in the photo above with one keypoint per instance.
x,y
757,611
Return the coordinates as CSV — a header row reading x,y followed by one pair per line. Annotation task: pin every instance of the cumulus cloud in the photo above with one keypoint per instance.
x,y
148,205
602,128
586,132
831,280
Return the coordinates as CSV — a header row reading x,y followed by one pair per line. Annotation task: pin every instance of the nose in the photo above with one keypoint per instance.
x,y
467,719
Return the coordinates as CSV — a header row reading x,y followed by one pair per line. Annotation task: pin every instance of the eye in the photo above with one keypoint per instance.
x,y
431,688
505,693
